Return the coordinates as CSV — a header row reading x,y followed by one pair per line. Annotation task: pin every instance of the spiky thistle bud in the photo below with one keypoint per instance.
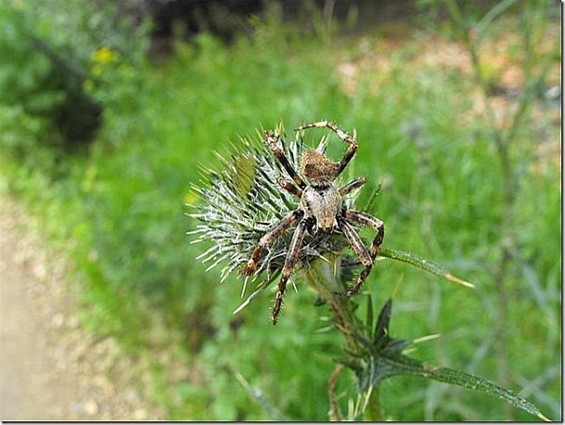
x,y
242,200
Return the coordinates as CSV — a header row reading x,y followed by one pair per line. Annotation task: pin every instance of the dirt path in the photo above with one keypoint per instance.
x,y
51,368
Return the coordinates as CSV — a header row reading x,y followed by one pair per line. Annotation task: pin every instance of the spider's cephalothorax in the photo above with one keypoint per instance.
x,y
321,209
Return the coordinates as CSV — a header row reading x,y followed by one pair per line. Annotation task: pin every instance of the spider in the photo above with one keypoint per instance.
x,y
320,209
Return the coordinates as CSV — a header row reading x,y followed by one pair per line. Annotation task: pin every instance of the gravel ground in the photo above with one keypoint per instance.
x,y
51,368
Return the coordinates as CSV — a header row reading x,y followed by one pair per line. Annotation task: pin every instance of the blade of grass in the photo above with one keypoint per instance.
x,y
258,396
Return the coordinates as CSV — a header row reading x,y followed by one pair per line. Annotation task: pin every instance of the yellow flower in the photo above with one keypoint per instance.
x,y
104,55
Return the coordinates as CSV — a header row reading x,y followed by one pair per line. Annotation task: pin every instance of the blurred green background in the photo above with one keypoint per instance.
x,y
109,109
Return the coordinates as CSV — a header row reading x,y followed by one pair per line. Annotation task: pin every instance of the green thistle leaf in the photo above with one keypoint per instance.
x,y
422,263
403,365
387,360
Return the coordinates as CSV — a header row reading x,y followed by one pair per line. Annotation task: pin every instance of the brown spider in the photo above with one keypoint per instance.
x,y
321,209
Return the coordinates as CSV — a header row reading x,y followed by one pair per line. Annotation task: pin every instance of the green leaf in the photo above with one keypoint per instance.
x,y
403,365
380,336
386,360
422,263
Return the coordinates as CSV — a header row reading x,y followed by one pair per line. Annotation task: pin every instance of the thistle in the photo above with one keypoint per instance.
x,y
246,212
243,203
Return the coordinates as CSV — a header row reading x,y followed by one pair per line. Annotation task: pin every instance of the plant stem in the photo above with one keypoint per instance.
x,y
374,412
324,278
334,413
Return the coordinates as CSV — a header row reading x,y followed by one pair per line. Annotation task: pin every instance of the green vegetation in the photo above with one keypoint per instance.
x,y
117,209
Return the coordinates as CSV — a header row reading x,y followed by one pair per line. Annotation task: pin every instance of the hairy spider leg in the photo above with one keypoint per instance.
x,y
289,187
353,145
373,222
289,264
357,243
362,252
271,139
352,185
269,238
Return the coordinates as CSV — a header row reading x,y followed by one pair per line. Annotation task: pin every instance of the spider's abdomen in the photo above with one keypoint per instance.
x,y
317,168
323,203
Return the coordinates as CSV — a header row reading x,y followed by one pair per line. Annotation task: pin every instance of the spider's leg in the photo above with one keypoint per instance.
x,y
375,223
271,139
359,248
289,264
352,185
289,187
269,238
353,145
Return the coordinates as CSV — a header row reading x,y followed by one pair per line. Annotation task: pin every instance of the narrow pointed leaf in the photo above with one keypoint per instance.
x,y
403,365
381,328
422,263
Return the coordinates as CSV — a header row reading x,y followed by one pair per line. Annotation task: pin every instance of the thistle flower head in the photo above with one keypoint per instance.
x,y
242,200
